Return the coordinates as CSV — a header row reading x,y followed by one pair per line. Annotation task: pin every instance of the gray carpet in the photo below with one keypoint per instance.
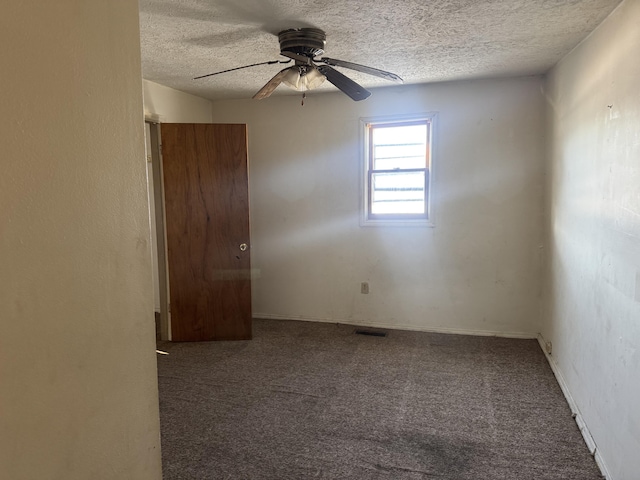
x,y
305,400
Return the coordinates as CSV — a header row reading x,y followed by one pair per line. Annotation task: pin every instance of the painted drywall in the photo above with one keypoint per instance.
x,y
167,105
591,303
476,271
78,385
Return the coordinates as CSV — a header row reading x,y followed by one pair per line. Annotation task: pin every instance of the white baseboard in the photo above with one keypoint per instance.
x,y
584,429
393,326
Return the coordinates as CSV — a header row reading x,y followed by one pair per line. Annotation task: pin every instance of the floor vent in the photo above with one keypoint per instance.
x,y
371,333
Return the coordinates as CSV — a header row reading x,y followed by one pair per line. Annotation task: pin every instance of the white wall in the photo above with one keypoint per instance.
x,y
167,105
478,270
78,387
592,297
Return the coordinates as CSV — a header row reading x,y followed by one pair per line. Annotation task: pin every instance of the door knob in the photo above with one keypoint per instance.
x,y
243,247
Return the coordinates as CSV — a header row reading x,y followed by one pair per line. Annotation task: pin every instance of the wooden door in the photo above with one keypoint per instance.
x,y
207,224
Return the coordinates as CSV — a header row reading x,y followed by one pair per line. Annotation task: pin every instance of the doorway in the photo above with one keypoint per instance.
x,y
158,237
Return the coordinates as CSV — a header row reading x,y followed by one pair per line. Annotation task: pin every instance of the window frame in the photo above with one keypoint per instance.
x,y
367,218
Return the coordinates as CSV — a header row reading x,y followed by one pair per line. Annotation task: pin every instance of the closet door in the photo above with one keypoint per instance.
x,y
207,225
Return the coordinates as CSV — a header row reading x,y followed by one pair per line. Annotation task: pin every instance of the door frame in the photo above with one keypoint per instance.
x,y
160,233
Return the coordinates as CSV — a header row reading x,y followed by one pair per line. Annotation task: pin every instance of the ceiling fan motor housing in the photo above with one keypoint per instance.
x,y
309,42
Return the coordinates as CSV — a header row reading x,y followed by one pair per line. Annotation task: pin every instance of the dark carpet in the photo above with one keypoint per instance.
x,y
308,400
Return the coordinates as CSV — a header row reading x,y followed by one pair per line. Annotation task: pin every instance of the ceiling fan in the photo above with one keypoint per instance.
x,y
303,46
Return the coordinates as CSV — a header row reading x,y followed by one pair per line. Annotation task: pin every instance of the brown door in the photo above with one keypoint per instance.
x,y
207,223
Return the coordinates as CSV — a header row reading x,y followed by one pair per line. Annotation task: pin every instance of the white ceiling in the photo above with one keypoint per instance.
x,y
422,41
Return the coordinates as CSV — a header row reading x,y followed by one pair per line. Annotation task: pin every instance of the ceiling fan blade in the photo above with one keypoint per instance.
x,y
240,68
343,83
362,68
272,84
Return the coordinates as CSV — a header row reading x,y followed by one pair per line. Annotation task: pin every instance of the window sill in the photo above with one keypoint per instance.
x,y
420,222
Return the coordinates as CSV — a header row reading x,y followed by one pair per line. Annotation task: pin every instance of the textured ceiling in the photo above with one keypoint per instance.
x,y
422,41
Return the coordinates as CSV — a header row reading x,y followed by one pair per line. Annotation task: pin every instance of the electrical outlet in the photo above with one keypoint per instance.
x,y
548,347
364,287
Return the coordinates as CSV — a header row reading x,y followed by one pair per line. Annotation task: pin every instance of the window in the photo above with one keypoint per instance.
x,y
397,161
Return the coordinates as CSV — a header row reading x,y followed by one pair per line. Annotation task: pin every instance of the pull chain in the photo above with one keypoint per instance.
x,y
304,95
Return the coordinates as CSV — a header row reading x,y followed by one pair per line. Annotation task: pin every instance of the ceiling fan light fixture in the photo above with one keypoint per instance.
x,y
304,46
303,78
